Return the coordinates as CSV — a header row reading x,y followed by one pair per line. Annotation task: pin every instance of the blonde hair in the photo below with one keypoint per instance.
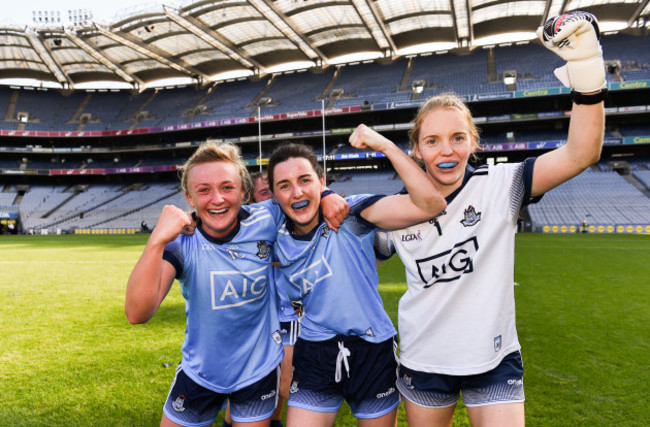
x,y
447,101
212,151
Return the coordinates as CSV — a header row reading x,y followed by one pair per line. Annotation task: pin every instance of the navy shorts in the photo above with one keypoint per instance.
x,y
190,404
503,384
350,368
289,332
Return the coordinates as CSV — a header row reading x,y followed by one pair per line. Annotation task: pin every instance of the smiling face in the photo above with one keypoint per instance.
x,y
297,189
215,190
261,189
444,145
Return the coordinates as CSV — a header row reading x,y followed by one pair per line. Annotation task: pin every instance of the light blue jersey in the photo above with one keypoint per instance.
x,y
286,312
232,336
335,276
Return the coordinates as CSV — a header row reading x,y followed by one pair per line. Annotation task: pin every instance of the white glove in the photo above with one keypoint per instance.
x,y
574,37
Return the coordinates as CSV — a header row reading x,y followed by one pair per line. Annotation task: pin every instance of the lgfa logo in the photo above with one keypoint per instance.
x,y
412,237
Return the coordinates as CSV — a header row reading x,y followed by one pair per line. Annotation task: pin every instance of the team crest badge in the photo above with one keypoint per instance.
x,y
179,403
294,387
263,249
407,380
471,217
497,343
277,337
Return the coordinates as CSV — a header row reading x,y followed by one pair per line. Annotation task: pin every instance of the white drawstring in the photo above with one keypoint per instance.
x,y
342,357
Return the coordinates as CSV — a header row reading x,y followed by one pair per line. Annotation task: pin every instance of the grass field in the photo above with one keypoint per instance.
x,y
68,357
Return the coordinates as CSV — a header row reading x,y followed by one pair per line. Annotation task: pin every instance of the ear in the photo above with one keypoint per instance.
x,y
189,200
416,152
322,182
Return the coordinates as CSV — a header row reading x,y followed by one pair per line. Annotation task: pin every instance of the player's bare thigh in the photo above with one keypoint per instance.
x,y
502,415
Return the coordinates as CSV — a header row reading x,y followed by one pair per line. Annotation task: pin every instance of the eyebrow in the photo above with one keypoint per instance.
x,y
210,184
434,135
287,180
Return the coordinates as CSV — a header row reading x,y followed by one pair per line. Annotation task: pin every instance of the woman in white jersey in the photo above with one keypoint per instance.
x,y
457,318
233,346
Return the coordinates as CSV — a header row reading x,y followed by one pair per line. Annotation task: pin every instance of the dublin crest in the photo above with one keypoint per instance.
x,y
263,249
471,217
179,403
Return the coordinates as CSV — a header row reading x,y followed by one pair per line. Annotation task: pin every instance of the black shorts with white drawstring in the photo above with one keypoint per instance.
x,y
350,368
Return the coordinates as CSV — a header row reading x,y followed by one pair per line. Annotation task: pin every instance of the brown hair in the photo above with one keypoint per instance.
x,y
292,150
448,101
212,151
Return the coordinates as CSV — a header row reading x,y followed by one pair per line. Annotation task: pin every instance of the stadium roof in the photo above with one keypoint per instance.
x,y
203,41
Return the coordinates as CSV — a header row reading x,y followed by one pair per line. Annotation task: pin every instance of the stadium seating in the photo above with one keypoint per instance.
x,y
597,197
369,82
372,83
296,91
370,182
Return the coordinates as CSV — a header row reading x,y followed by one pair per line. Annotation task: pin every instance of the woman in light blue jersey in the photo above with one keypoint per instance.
x,y
289,321
345,349
233,346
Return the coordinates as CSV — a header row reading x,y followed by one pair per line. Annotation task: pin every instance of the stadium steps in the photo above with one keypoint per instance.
x,y
123,214
198,107
254,102
492,66
11,108
57,207
82,213
403,84
637,184
80,109
325,93
137,116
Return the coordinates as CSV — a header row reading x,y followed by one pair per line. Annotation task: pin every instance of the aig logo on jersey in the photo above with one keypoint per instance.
x,y
449,265
235,288
307,278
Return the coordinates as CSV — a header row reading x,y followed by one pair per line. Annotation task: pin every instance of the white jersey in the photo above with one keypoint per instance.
x,y
458,315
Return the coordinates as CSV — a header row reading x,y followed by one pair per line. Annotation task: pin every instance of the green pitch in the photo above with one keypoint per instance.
x,y
68,357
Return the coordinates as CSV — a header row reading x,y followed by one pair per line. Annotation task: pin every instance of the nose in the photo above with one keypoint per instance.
x,y
445,148
297,192
217,197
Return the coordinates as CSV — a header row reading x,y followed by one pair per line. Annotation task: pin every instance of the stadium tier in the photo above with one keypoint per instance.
x,y
108,160
363,84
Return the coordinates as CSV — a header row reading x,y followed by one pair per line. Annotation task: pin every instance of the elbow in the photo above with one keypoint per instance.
x,y
595,157
437,205
135,317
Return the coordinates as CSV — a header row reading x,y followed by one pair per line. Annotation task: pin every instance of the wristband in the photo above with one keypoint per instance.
x,y
326,192
580,98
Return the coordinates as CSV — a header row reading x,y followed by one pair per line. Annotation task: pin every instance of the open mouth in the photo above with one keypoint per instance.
x,y
300,205
217,211
447,165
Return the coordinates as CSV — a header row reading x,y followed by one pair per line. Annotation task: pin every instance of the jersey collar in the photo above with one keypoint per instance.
x,y
242,215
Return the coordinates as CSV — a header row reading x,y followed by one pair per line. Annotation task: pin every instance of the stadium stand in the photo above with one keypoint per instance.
x,y
597,197
298,91
230,100
368,82
367,182
73,203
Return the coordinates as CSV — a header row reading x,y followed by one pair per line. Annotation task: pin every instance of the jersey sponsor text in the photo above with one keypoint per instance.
x,y
449,265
